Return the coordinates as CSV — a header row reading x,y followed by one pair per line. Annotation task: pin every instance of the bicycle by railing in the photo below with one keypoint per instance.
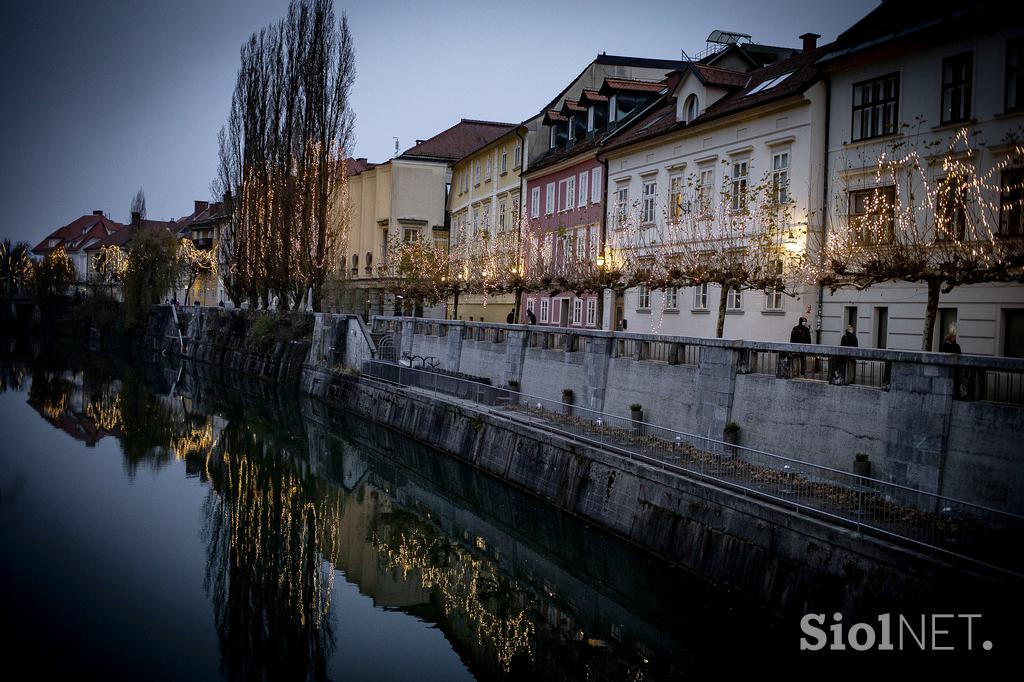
x,y
955,527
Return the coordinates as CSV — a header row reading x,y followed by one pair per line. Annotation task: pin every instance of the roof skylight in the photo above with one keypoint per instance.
x,y
770,83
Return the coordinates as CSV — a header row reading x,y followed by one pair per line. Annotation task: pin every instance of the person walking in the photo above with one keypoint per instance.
x,y
511,317
849,338
801,332
949,344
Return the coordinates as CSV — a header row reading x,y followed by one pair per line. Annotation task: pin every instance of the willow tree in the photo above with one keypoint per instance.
x,y
282,156
15,267
935,219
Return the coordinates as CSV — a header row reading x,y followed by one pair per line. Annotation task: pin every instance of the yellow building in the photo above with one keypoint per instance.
x,y
484,205
404,198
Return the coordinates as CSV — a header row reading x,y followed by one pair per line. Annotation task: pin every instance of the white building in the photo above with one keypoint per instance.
x,y
731,124
910,76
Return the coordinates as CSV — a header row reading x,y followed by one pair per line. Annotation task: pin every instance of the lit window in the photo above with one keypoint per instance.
x,y
875,107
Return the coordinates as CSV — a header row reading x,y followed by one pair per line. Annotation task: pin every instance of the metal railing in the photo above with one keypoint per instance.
x,y
923,519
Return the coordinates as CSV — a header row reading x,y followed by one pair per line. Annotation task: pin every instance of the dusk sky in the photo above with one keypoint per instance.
x,y
101,98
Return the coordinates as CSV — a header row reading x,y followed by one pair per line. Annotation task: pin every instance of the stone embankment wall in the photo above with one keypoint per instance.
x,y
936,422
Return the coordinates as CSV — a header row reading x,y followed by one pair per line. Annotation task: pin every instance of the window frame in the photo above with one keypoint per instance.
x,y
739,180
1011,203
957,89
621,205
643,296
781,177
676,197
517,156
870,193
876,125
700,297
734,300
549,199
545,310
504,161
591,312
535,202
595,186
570,192
672,298
584,189
577,311
648,194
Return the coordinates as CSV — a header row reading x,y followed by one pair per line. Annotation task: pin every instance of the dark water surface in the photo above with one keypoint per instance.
x,y
157,523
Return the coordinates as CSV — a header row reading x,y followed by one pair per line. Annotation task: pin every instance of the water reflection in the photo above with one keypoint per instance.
x,y
297,497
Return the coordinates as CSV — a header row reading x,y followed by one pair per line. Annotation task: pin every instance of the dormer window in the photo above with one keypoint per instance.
x,y
612,118
551,142
692,108
590,118
572,128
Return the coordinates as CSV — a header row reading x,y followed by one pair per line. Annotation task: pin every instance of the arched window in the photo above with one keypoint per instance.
x,y
369,263
692,108
355,263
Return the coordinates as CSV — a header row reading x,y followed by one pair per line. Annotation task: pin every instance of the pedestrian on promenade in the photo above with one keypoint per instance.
x,y
511,316
949,344
530,316
801,334
849,338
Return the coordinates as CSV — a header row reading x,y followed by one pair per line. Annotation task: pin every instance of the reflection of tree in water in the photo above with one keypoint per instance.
x,y
513,631
12,376
268,529
50,393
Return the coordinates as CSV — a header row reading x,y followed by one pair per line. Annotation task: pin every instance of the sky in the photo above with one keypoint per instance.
x,y
99,98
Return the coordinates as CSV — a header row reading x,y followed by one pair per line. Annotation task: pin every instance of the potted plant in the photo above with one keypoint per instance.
x,y
513,385
731,433
861,464
636,412
567,400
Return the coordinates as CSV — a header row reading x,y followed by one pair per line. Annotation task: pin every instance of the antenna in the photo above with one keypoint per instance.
x,y
396,145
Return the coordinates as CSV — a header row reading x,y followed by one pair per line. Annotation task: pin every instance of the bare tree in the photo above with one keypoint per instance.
x,y
933,218
138,205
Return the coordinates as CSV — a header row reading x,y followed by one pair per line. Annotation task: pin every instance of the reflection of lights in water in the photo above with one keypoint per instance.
x,y
105,411
56,407
195,440
460,582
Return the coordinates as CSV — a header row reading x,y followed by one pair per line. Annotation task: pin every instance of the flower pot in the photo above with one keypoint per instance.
x,y
862,468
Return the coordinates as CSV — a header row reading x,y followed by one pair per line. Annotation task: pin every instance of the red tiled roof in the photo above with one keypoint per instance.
x,y
78,233
357,166
612,85
125,235
462,138
591,97
570,106
552,115
727,78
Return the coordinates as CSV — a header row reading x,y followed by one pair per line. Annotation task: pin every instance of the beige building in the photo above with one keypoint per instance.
x,y
484,207
404,198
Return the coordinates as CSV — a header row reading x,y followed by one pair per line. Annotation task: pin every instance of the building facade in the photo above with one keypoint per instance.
x,y
910,80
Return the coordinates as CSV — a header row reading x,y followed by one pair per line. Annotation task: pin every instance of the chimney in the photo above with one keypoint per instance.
x,y
201,206
810,41
136,218
97,212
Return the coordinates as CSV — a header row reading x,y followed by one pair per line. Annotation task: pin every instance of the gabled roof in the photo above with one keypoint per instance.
x,y
461,139
616,60
591,97
724,78
78,233
554,116
128,232
661,119
571,106
613,85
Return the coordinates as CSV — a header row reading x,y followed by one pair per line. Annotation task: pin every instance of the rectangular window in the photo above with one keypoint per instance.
x,y
591,312
773,301
871,215
590,118
584,189
476,172
738,193
545,309
549,199
556,310
595,186
410,234
876,107
951,211
956,88
650,190
577,310
504,161
476,223
487,169
780,177
672,298
1014,75
518,156
529,304
535,202
621,205
594,252
956,73
570,193
700,297
643,297
676,198
1011,203
734,301
560,205
581,245
706,190
501,217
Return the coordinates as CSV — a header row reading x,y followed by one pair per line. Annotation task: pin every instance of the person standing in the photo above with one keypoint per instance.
x,y
511,317
849,338
801,332
949,344
530,316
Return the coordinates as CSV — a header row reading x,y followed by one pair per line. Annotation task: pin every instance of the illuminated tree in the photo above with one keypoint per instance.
x,y
932,218
282,156
52,276
109,264
193,263
15,267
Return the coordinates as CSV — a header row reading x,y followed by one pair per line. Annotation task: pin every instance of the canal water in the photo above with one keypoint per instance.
x,y
164,521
